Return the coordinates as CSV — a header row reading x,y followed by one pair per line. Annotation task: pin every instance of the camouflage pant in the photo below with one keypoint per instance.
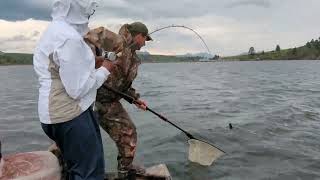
x,y
116,122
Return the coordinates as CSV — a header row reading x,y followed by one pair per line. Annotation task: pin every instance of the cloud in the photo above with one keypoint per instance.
x,y
20,36
143,9
258,3
21,10
35,34
228,27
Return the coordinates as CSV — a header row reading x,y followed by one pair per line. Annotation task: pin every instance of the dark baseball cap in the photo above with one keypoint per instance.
x,y
139,27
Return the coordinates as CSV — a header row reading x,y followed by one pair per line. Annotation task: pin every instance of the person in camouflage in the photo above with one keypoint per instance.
x,y
113,117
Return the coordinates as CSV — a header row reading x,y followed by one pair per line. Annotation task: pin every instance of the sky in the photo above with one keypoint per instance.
x,y
229,27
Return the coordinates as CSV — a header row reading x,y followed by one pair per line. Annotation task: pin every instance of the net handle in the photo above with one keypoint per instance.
x,y
131,100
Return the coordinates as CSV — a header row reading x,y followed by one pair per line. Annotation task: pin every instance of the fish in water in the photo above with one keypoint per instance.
x,y
230,126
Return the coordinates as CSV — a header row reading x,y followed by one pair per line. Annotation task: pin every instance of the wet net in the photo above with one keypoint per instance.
x,y
203,153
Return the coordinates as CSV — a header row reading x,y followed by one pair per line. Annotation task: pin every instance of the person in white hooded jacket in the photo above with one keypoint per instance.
x,y
1,161
65,66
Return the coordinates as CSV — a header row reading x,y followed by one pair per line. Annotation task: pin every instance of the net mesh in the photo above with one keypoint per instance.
x,y
202,152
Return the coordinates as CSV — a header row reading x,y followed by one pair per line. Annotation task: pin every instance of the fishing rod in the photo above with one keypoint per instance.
x,y
185,27
112,55
134,101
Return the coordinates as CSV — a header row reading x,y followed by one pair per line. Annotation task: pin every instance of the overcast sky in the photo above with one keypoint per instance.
x,y
229,27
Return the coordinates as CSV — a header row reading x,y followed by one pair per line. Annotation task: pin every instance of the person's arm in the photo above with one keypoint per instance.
x,y
141,104
132,92
77,69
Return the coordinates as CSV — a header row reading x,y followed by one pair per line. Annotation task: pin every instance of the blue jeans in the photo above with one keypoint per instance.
x,y
81,146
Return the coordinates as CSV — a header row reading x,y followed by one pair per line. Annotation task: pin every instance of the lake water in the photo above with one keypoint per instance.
x,y
274,107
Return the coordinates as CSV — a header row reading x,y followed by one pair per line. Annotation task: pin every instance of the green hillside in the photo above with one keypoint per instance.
x,y
15,58
310,51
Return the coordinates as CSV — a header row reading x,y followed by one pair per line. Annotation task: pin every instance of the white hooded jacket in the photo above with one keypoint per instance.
x,y
65,64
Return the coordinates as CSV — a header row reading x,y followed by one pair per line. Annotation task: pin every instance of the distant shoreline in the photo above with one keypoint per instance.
x,y
310,51
142,63
16,64
238,60
229,60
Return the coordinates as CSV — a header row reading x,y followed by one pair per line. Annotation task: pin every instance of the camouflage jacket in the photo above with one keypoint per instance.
x,y
126,64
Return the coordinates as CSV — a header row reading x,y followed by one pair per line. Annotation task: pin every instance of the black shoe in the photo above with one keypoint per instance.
x,y
127,175
132,174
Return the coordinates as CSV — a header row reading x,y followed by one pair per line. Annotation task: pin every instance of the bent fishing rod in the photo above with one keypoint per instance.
x,y
113,54
185,27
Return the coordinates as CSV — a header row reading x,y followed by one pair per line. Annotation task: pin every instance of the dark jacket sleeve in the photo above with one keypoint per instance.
x,y
132,92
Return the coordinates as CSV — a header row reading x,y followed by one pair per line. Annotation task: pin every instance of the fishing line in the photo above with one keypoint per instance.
x,y
185,27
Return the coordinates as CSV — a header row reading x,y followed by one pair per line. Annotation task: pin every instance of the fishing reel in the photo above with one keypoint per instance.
x,y
112,56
